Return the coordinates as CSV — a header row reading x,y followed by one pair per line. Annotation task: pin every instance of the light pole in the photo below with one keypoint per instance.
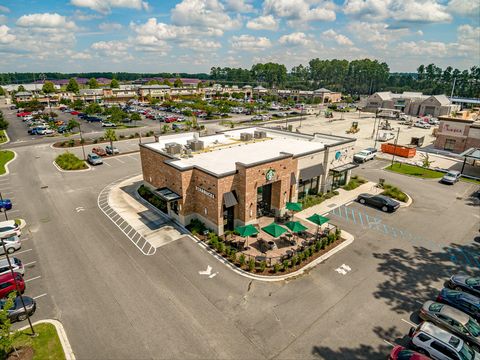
x,y
81,141
395,146
16,286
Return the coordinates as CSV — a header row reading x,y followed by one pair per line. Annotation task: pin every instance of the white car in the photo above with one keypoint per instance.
x,y
108,124
422,124
9,228
12,244
16,263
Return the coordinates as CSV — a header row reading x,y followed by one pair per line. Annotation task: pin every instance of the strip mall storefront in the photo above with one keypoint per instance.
x,y
258,183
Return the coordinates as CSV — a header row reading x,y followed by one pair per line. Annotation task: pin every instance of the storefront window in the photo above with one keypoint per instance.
x,y
308,187
449,144
174,207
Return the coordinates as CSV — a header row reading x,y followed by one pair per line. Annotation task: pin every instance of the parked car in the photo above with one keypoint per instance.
x,y
465,283
9,228
94,159
108,124
99,151
37,130
402,353
451,177
12,243
453,320
433,121
111,150
257,117
178,126
48,132
5,204
17,312
7,284
365,155
422,124
379,201
62,129
75,112
93,119
17,266
171,119
468,303
439,344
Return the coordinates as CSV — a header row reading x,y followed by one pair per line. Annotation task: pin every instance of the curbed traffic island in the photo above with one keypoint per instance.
x,y
69,162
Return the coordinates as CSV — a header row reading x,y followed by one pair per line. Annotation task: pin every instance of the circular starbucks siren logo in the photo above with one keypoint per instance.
x,y
270,175
338,155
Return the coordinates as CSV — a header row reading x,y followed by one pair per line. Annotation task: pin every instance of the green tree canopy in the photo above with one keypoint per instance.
x,y
21,88
166,82
72,85
93,108
48,87
114,84
92,83
2,91
153,82
178,83
135,117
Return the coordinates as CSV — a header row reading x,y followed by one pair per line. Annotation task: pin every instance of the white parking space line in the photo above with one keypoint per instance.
x,y
12,211
409,323
18,252
385,341
39,296
132,157
123,162
34,278
106,163
30,263
24,239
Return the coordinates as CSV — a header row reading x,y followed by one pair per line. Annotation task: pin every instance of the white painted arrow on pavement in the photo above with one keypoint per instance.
x,y
206,272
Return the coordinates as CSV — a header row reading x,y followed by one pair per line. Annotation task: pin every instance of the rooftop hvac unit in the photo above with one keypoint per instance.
x,y
196,145
260,134
246,136
173,148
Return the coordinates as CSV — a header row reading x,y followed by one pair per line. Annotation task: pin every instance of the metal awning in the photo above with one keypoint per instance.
x,y
343,168
312,172
167,194
472,153
229,199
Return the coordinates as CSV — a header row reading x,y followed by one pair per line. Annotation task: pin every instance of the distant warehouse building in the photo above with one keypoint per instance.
x,y
411,103
237,176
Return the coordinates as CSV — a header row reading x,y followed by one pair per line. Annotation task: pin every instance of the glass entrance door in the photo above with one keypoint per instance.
x,y
339,179
264,200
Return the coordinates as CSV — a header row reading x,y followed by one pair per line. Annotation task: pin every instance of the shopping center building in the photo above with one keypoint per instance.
x,y
234,177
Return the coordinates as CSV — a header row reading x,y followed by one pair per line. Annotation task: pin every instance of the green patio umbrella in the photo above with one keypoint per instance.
x,y
294,206
246,231
319,220
274,230
295,226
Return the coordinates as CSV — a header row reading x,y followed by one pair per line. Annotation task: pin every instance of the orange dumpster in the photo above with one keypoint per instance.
x,y
399,150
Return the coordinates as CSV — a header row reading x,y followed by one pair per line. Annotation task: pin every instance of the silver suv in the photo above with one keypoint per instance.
x,y
439,344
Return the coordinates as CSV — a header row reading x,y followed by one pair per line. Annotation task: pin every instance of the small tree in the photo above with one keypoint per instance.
x,y
73,85
165,128
114,84
251,264
7,336
93,108
426,162
92,83
2,91
178,83
48,87
241,259
135,117
72,124
111,136
21,88
263,266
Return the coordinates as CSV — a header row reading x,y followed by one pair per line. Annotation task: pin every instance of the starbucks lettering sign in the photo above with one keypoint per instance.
x,y
270,175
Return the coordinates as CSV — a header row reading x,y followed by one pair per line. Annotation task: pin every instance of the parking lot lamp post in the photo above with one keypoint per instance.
x,y
16,286
5,210
395,145
81,141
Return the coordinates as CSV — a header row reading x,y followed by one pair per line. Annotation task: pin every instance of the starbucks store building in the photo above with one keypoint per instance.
x,y
234,177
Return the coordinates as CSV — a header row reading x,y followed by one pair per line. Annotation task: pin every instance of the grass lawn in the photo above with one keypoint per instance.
x,y
46,345
5,156
68,161
470,180
415,171
3,137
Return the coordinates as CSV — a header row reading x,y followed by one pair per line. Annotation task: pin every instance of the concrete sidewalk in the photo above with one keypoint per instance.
x,y
342,198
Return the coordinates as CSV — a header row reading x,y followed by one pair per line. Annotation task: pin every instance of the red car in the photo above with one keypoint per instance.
x,y
171,119
24,113
402,353
99,151
150,116
74,112
7,284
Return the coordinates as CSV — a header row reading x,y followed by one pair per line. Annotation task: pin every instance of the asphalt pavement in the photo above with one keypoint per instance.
x,y
117,303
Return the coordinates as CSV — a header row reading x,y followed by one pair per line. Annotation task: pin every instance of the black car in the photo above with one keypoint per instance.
x,y
379,201
17,312
465,302
465,283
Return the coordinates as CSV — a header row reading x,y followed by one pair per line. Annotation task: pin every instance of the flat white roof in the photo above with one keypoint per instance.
x,y
222,151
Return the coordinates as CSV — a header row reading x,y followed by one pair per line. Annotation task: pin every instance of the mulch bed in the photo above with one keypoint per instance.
x,y
24,353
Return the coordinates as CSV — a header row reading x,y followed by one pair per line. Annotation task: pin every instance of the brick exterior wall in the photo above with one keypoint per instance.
x,y
467,137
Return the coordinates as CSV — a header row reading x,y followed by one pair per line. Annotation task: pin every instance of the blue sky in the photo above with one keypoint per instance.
x,y
194,35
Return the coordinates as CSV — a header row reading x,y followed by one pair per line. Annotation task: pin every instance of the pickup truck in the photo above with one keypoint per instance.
x,y
365,155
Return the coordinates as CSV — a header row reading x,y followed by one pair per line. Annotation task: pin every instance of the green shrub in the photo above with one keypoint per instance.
x,y
131,136
233,256
251,264
68,161
95,141
307,253
276,268
355,181
315,199
122,136
221,247
394,193
153,199
71,142
338,233
199,227
331,238
318,245
294,261
285,264
312,250
63,143
241,260
263,266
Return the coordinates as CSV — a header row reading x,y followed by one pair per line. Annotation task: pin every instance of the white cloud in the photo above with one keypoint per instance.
x,y
5,36
3,19
338,38
116,51
81,56
250,43
465,7
267,22
239,6
468,38
4,9
200,44
421,11
377,33
45,20
298,12
105,6
110,26
295,39
422,48
203,14
83,16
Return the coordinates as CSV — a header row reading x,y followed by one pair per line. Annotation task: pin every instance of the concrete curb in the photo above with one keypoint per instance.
x,y
62,335
23,223
72,171
408,203
348,240
7,171
8,138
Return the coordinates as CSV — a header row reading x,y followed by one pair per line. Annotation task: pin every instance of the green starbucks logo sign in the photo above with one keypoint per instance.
x,y
270,175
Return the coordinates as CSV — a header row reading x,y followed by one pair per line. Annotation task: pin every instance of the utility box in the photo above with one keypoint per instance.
x,y
417,141
246,136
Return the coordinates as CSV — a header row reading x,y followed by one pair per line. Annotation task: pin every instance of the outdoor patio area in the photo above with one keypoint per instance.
x,y
280,239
